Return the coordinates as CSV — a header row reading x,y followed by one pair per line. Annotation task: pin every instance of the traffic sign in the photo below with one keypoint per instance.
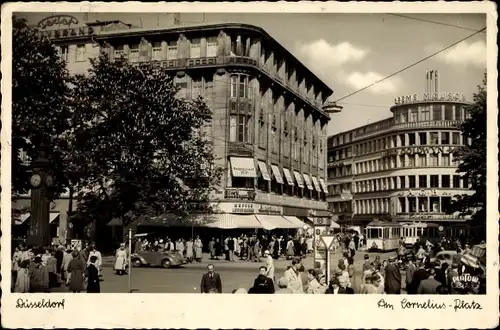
x,y
327,240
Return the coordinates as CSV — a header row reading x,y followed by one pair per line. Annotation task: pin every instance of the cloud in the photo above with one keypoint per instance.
x,y
358,80
464,54
321,55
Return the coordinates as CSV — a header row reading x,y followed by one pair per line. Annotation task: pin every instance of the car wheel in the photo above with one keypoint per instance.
x,y
165,263
137,262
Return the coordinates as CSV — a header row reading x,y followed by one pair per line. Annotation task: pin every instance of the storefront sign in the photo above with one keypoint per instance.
x,y
295,211
413,98
423,216
419,150
335,164
58,20
243,208
271,209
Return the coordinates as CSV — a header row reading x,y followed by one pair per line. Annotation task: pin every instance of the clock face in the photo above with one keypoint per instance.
x,y
36,180
49,181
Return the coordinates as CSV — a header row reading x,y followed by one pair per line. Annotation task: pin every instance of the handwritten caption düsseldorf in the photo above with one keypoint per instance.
x,y
457,305
40,304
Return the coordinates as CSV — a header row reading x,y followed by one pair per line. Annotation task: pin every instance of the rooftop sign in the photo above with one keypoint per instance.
x,y
428,97
58,20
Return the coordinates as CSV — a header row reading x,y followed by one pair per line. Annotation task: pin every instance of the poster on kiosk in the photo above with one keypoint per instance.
x,y
321,228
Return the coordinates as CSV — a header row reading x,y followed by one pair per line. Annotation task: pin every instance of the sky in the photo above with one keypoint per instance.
x,y
351,51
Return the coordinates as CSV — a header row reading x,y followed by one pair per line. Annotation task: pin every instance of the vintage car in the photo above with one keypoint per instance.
x,y
444,256
161,258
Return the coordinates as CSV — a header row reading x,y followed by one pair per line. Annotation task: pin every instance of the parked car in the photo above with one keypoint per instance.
x,y
444,256
161,258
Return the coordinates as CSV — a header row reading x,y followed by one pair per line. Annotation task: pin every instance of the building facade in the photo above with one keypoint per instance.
x,y
268,128
401,168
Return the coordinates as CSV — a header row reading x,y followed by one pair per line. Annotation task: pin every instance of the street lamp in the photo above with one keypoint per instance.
x,y
41,181
332,107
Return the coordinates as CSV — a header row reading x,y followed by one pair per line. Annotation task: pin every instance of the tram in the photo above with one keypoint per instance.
x,y
422,231
382,236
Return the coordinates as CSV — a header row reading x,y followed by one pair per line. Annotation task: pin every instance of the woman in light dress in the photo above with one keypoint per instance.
x,y
121,260
197,249
97,254
189,250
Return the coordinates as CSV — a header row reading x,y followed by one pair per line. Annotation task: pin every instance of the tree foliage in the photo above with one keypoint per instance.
x,y
472,157
143,147
40,111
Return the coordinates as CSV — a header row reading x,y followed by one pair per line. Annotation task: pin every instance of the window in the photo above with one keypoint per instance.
x,y
134,53
422,160
445,159
434,181
402,139
434,138
181,83
157,54
445,137
445,181
234,85
274,142
455,138
243,87
80,53
423,138
243,128
63,53
448,112
458,113
402,182
212,47
412,181
413,115
422,203
456,181
118,51
465,182
422,181
286,145
196,88
402,161
195,48
404,116
394,141
232,129
172,50
433,160
436,112
411,162
412,139
424,113
412,202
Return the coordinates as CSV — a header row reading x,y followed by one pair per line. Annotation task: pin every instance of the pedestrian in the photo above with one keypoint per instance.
x,y
419,275
335,288
16,261
269,265
94,253
429,285
304,277
39,276
441,273
377,263
367,263
409,271
289,249
198,245
392,278
293,277
313,286
356,242
46,256
67,257
230,248
256,250
262,284
211,281
350,271
93,285
51,265
189,250
76,272
283,286
373,286
453,274
211,248
22,284
120,260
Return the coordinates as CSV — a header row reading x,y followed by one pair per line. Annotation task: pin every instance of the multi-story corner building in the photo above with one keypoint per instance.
x,y
400,168
268,129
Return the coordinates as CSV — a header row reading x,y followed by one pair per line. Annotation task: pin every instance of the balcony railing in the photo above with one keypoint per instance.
x,y
392,126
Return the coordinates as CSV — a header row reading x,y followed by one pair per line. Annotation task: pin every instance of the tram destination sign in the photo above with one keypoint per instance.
x,y
427,97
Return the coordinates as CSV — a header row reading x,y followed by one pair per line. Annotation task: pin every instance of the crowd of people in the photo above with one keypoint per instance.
x,y
42,269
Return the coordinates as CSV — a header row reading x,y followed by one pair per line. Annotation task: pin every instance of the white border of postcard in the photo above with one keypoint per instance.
x,y
250,311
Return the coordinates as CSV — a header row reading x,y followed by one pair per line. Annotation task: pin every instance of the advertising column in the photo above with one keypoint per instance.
x,y
321,227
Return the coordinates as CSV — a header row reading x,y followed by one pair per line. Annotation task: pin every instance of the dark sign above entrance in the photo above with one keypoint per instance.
x,y
57,20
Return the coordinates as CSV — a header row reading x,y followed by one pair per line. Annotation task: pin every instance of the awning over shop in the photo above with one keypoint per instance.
x,y
19,220
298,177
308,182
115,222
333,224
295,221
277,174
53,216
323,185
230,221
288,176
263,171
316,184
275,221
243,167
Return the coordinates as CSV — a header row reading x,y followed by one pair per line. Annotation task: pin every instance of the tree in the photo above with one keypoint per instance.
x,y
472,158
143,147
40,115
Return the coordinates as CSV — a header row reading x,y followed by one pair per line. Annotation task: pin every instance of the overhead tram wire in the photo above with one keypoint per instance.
x,y
433,22
411,65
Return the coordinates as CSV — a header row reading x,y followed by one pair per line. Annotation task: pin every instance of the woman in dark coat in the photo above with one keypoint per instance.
x,y
76,269
93,285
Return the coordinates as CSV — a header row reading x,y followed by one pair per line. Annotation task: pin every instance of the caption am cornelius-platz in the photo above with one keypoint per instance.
x,y
203,152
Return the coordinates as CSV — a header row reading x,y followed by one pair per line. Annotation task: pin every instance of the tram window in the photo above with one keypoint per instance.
x,y
373,233
424,232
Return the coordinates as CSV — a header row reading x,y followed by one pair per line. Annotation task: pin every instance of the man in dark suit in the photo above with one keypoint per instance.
x,y
410,270
419,275
262,283
430,285
392,278
211,282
